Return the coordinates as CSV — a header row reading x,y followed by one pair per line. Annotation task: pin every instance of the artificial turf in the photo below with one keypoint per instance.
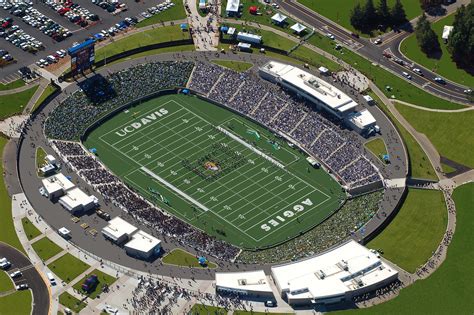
x,y
416,231
46,248
442,63
450,133
182,258
31,231
68,267
449,289
242,205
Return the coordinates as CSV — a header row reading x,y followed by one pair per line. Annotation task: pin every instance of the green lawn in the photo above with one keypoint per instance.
x,y
174,13
149,37
269,38
68,267
104,279
447,169
18,303
376,146
201,309
449,290
420,165
180,257
12,85
40,158
258,313
6,283
309,56
339,10
71,302
46,248
238,66
13,104
8,234
450,133
416,231
400,88
30,230
47,92
443,65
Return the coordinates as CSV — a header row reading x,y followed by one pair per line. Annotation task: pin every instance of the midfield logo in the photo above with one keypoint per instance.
x,y
142,122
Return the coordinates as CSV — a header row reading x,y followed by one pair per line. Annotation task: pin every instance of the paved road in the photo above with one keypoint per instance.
x,y
31,276
57,217
374,53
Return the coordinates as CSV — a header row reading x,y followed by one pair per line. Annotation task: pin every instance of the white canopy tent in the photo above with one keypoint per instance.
x,y
298,28
279,18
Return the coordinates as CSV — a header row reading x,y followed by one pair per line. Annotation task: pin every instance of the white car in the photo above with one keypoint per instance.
x,y
15,274
468,91
22,286
417,71
378,41
440,80
4,263
406,75
330,36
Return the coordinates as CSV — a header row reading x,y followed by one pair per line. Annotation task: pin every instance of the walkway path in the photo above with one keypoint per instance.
x,y
19,89
465,109
205,28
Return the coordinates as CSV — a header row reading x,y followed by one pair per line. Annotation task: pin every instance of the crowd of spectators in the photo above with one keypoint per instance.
x,y
335,147
127,199
79,110
341,225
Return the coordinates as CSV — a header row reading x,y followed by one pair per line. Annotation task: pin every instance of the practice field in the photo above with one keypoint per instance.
x,y
216,170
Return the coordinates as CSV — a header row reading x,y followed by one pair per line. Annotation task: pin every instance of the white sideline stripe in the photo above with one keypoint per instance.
x,y
175,189
250,147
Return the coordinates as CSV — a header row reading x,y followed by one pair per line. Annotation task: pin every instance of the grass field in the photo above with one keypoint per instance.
x,y
18,303
447,169
40,158
376,146
30,230
12,85
149,37
6,283
180,257
71,302
450,133
201,309
47,92
104,279
449,289
252,193
443,65
420,165
68,267
269,38
234,65
12,104
8,234
174,13
339,10
46,248
416,231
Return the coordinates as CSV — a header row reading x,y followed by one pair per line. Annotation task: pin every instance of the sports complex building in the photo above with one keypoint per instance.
x,y
217,162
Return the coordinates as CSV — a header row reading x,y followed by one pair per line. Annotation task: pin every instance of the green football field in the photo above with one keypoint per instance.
x,y
216,170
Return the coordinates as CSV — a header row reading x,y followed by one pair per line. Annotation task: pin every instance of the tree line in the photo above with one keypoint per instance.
x,y
368,17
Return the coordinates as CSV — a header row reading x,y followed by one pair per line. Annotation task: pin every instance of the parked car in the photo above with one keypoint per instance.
x,y
102,214
22,286
15,274
4,263
330,36
440,80
418,71
406,75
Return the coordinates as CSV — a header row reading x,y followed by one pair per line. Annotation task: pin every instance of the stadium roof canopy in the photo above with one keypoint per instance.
x,y
118,229
143,242
298,28
362,119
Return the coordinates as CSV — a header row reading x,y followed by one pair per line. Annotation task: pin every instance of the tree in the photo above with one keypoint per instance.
x,y
357,18
426,37
383,13
461,39
370,15
398,14
428,4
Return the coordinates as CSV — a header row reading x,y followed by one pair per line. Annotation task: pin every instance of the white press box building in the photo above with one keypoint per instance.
x,y
118,230
324,95
249,284
334,276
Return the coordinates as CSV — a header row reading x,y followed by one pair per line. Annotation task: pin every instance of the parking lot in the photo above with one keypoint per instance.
x,y
42,29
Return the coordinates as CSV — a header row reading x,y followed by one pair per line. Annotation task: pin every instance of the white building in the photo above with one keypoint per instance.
x,y
232,7
57,185
118,230
334,276
361,121
75,200
317,91
249,283
50,159
447,29
143,245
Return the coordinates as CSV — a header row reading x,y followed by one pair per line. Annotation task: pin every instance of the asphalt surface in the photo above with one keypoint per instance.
x,y
57,217
30,275
374,53
79,34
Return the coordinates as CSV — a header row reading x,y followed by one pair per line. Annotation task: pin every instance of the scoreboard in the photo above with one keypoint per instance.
x,y
82,57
